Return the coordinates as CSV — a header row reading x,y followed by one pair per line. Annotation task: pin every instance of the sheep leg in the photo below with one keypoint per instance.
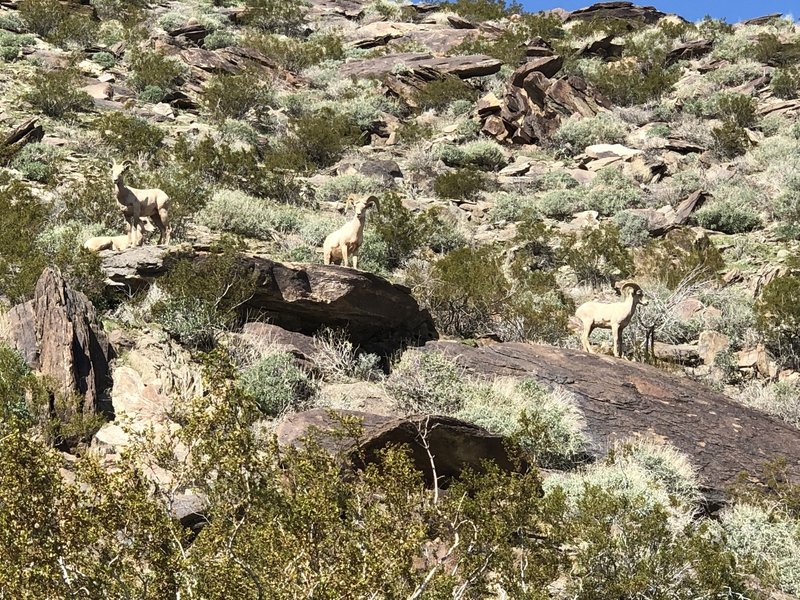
x,y
164,216
355,260
587,331
327,256
343,249
616,336
159,224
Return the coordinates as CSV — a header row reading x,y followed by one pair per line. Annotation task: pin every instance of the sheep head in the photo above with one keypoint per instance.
x,y
362,203
119,169
633,289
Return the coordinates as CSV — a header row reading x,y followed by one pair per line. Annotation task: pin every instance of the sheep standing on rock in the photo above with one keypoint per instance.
x,y
346,240
137,203
610,315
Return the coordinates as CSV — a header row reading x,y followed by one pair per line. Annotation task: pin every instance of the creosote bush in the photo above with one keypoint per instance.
x,y
296,54
574,135
440,93
462,184
276,16
278,384
778,317
58,23
129,134
56,93
484,10
153,73
235,96
37,162
596,255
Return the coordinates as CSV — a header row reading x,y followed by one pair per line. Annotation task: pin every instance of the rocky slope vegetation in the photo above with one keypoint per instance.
x,y
228,413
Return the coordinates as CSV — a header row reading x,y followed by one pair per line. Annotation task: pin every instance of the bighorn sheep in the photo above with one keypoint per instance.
x,y
117,242
136,203
346,240
610,315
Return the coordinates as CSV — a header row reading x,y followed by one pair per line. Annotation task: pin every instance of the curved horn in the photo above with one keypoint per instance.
x,y
634,286
373,200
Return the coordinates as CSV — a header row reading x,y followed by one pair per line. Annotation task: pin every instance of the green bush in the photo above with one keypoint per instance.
x,y
608,26
596,255
778,317
728,217
574,135
771,50
483,10
58,22
483,155
630,83
90,200
23,394
561,203
612,192
427,383
152,70
438,232
320,139
298,54
202,297
510,207
22,219
104,59
737,108
780,399
509,45
55,93
400,231
462,184
278,384
129,134
337,189
37,162
220,38
11,43
244,215
671,259
440,93
235,96
276,16
730,140
786,82
338,359
633,230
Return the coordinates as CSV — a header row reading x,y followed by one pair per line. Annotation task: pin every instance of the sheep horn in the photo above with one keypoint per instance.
x,y
373,201
634,286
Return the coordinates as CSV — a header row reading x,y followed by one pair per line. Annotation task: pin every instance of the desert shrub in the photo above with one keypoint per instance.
x,y
510,207
596,255
483,10
439,233
548,425
221,38
574,135
730,140
276,16
297,54
58,23
768,543
611,192
780,399
786,208
104,59
56,93
633,82
22,219
11,43
468,291
786,82
236,212
561,203
23,394
728,217
278,384
129,134
509,45
337,189
338,359
537,312
555,180
202,297
671,259
737,319
10,21
37,162
154,71
778,317
320,139
235,96
482,155
397,227
771,50
89,201
427,382
738,108
462,184
440,93
633,230
608,26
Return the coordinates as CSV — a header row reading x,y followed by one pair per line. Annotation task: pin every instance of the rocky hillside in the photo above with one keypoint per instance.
x,y
226,412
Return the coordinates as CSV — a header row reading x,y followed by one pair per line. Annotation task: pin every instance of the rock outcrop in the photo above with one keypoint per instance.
x,y
535,103
58,333
477,65
377,315
623,11
621,399
456,444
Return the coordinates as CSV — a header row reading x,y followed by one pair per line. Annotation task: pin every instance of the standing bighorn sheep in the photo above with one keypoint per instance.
x,y
346,240
611,315
136,203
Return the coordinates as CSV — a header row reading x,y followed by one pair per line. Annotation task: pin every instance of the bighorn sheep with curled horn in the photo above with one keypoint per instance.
x,y
137,203
611,315
346,240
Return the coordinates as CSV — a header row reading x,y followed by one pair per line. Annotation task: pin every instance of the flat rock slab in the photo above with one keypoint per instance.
x,y
455,444
474,65
621,399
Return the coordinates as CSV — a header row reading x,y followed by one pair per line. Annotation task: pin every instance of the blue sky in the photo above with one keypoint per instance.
x,y
731,10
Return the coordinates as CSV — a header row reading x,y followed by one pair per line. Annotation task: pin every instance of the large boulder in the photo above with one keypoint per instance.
x,y
58,333
377,315
477,65
455,444
620,399
624,11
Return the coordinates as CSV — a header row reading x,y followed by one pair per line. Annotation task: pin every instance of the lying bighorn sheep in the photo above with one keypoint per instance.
x,y
136,203
346,240
117,242
610,315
